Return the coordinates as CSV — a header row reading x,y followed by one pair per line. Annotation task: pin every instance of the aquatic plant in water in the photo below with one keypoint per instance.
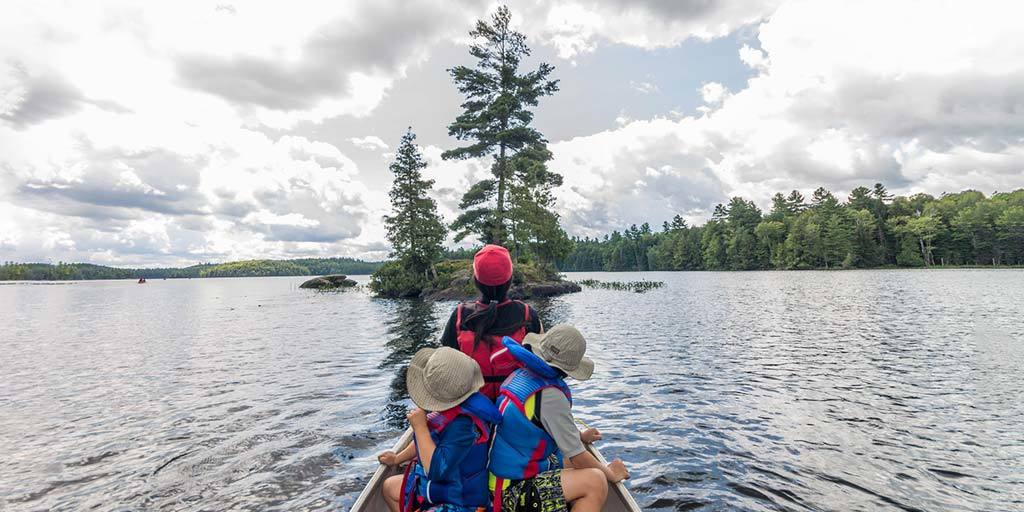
x,y
633,286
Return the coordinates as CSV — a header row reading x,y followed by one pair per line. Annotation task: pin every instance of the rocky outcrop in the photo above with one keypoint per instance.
x,y
460,292
331,282
453,280
543,289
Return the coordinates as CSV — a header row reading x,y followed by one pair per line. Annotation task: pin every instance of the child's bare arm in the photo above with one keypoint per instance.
x,y
613,472
418,419
406,454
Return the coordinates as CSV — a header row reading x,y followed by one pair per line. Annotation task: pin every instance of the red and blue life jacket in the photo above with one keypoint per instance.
x,y
469,489
496,363
521,447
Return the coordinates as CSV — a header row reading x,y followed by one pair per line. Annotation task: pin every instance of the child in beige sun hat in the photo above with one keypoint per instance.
x,y
449,452
537,434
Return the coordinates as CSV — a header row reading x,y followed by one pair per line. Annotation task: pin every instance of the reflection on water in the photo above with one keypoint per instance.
x,y
411,325
552,311
874,390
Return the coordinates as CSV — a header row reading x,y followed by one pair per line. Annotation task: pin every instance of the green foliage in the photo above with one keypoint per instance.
x,y
11,271
495,120
531,273
394,279
414,229
348,266
255,268
772,235
533,228
872,228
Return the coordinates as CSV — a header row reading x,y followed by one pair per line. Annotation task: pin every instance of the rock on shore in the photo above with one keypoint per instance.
x,y
518,292
528,286
331,282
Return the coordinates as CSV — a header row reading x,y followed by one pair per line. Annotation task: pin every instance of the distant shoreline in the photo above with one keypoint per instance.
x,y
837,269
11,271
50,280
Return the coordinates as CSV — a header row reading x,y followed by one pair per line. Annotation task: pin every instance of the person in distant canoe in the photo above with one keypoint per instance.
x,y
449,451
476,328
537,433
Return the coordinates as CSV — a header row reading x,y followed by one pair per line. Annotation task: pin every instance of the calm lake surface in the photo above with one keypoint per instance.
x,y
859,390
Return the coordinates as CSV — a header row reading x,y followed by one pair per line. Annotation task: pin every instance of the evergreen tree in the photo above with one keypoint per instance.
x,y
533,223
865,249
796,202
495,120
742,250
713,241
803,247
1010,225
772,234
415,229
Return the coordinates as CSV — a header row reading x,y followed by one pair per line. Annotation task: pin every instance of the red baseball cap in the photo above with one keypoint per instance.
x,y
492,265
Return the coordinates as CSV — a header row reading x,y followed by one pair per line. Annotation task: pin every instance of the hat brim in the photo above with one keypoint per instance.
x,y
533,339
415,383
582,371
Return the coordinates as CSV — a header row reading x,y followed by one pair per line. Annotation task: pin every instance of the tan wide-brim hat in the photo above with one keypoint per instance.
x,y
563,347
441,378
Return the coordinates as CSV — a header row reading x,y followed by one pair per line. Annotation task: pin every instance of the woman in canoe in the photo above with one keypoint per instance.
x,y
450,443
476,328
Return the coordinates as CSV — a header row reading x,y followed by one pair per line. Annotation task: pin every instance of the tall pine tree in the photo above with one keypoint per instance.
x,y
415,230
495,120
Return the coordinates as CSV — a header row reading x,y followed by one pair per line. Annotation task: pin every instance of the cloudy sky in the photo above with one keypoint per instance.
x,y
179,132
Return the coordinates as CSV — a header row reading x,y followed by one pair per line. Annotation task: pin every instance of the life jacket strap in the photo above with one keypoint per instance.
x,y
499,487
403,502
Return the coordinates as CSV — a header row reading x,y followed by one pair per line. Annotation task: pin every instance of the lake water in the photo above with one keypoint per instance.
x,y
859,390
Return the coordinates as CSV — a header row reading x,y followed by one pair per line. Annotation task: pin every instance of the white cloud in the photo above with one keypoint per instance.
x,y
123,142
932,107
370,142
713,93
643,87
753,57
575,27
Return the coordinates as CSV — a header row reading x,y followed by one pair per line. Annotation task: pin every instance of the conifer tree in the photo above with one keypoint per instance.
x,y
495,120
415,229
533,223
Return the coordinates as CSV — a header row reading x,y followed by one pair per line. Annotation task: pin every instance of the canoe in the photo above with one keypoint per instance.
x,y
371,499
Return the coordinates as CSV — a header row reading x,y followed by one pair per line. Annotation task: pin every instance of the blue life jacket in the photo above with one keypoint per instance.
x,y
469,489
521,448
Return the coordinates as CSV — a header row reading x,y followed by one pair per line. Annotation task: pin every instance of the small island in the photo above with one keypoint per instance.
x,y
513,207
331,282
454,281
514,210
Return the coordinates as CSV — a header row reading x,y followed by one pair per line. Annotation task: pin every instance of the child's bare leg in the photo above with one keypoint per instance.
x,y
585,489
392,491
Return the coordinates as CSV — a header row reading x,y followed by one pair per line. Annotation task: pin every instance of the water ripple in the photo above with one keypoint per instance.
x,y
874,390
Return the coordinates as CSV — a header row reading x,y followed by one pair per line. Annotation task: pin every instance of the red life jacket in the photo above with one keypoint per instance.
x,y
496,363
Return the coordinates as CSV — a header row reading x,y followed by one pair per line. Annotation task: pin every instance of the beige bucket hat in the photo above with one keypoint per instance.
x,y
563,347
441,378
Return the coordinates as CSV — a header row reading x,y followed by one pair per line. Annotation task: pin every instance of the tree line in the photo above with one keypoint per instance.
x,y
872,228
11,271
